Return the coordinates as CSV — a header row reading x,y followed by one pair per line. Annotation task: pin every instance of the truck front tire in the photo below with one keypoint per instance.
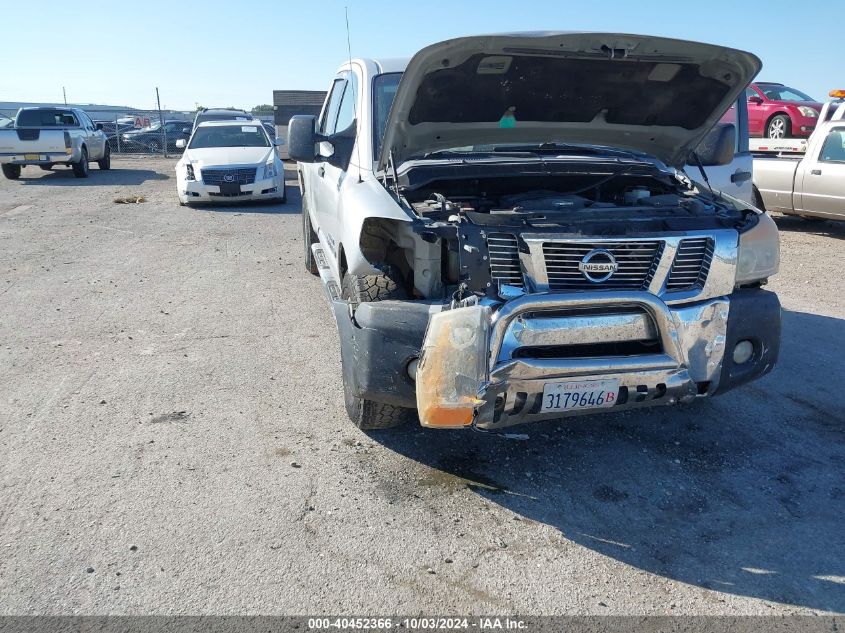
x,y
80,169
12,172
366,414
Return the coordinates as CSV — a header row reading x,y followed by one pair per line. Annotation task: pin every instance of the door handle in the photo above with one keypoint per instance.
x,y
740,176
815,172
321,171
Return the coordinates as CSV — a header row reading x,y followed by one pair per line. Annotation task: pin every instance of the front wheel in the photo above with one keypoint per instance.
x,y
779,127
80,169
12,172
369,415
105,162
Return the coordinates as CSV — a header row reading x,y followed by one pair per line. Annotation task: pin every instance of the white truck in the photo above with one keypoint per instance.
x,y
506,232
47,136
805,177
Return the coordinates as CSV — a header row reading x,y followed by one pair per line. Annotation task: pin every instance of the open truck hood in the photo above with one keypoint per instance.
x,y
651,94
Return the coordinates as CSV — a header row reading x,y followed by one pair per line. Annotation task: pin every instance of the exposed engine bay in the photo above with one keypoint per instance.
x,y
475,225
583,204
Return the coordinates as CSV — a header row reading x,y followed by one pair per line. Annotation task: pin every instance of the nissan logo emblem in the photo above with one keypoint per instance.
x,y
598,265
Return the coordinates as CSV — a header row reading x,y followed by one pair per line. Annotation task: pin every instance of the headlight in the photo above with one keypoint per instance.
x,y
453,366
808,112
189,169
270,170
759,252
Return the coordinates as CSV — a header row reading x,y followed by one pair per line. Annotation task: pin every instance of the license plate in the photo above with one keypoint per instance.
x,y
31,157
583,394
230,188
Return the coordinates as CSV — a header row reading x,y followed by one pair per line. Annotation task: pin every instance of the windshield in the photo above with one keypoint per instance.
x,y
229,136
782,93
150,128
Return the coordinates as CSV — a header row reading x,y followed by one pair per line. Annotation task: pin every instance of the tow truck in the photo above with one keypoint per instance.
x,y
804,177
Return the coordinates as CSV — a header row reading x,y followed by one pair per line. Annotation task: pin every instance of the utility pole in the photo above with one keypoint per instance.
x,y
161,118
64,94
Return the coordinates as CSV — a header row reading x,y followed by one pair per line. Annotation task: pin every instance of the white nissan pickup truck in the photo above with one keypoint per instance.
x,y
506,232
53,136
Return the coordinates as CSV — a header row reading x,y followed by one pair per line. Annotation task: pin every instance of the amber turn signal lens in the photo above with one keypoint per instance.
x,y
837,94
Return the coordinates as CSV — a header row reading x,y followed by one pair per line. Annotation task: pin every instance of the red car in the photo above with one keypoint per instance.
x,y
777,111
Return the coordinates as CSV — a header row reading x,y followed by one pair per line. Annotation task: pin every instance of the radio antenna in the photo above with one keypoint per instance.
x,y
354,93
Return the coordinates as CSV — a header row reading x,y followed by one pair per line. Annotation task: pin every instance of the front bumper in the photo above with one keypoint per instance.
x,y
659,354
264,189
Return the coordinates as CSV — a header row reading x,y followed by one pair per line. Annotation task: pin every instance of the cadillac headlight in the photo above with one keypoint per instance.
x,y
808,112
759,252
189,171
270,170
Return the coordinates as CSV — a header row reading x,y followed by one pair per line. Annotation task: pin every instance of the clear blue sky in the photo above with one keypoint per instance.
x,y
214,53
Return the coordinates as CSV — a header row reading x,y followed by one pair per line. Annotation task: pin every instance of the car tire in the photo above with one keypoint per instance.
x,y
779,126
309,237
154,147
105,162
12,172
369,415
80,168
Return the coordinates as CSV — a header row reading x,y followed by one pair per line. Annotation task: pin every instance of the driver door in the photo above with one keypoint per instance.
x,y
325,189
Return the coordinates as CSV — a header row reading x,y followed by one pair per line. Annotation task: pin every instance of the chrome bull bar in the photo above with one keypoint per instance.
x,y
538,303
687,365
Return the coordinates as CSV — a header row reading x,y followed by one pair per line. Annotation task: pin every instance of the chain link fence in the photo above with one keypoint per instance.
x,y
146,132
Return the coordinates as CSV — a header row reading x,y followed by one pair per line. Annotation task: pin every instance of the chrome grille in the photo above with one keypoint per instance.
x,y
692,262
637,261
239,176
504,259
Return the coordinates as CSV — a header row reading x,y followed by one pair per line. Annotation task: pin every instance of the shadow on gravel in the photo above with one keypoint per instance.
x,y
743,494
291,207
827,228
61,176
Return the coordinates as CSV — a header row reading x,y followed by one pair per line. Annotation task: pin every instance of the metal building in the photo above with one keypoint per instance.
x,y
287,103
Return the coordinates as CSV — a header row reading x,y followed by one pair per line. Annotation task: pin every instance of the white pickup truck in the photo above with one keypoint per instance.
x,y
506,231
53,136
805,178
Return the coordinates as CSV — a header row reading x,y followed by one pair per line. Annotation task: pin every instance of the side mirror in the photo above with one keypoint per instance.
x,y
278,141
303,138
755,100
99,126
718,147
186,130
342,143
181,143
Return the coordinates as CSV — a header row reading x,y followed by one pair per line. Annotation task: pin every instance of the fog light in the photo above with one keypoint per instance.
x,y
412,368
743,352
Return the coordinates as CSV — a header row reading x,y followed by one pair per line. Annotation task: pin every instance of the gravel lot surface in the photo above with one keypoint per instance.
x,y
173,440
